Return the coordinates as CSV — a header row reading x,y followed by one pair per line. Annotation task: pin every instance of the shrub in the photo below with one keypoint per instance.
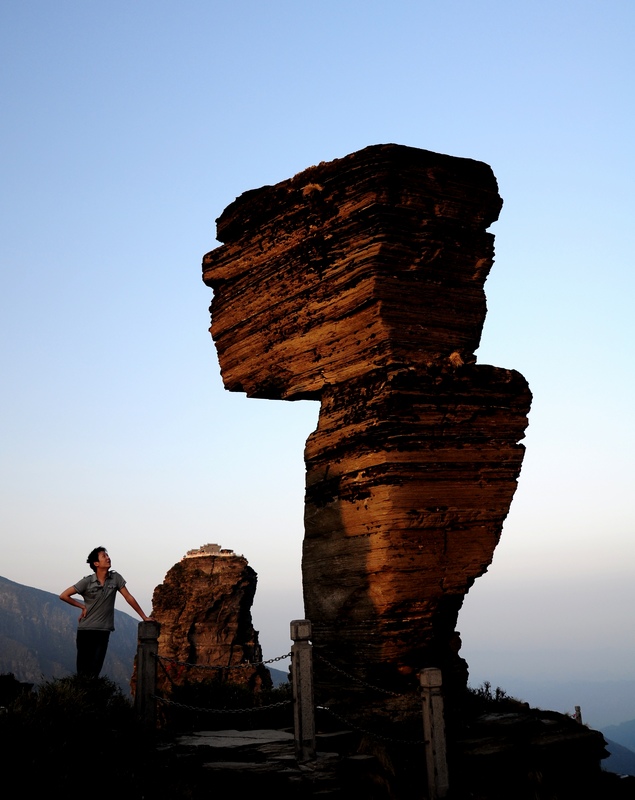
x,y
66,731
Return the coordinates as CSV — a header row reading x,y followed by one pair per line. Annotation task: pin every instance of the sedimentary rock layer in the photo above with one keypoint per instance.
x,y
375,259
360,282
410,476
204,607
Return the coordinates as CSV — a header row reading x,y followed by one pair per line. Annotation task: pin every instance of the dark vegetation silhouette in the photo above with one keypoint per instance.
x,y
74,731
70,731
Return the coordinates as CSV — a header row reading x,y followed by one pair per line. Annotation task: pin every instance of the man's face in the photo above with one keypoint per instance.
x,y
104,560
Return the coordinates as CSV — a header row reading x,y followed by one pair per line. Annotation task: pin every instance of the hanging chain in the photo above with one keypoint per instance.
x,y
245,665
357,680
221,710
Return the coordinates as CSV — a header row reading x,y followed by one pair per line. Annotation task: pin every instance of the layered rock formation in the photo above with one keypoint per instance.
x,y
360,282
204,607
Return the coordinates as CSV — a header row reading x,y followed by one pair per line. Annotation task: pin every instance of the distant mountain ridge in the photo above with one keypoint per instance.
x,y
278,676
623,734
37,637
621,759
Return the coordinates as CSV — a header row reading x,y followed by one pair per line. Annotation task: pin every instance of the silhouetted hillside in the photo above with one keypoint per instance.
x,y
37,637
603,702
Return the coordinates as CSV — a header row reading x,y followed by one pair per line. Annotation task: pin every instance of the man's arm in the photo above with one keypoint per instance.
x,y
132,602
67,597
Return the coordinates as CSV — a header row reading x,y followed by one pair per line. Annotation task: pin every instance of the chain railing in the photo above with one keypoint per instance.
x,y
242,665
324,660
166,701
146,699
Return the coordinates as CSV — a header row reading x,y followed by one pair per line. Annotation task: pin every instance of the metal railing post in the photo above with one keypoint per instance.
x,y
302,683
434,733
147,649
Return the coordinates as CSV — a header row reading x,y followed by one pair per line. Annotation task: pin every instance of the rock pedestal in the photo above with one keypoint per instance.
x,y
204,608
360,282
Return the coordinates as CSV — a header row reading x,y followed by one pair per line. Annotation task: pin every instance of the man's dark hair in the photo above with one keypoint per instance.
x,y
94,556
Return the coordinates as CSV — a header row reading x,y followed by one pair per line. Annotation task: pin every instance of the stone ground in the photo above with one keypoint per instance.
x,y
264,762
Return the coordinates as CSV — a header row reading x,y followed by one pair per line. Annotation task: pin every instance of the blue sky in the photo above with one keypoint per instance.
x,y
127,128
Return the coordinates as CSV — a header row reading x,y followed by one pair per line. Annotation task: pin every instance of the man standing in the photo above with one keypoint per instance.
x,y
97,619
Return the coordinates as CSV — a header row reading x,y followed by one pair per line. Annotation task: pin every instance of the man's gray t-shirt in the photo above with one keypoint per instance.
x,y
99,601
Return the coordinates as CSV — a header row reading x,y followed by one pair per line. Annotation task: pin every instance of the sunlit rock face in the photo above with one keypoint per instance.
x,y
410,475
204,607
360,282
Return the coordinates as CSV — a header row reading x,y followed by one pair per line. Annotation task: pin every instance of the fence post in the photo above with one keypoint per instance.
x,y
145,693
302,683
434,733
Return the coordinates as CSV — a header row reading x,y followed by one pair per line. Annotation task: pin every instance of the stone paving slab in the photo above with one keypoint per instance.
x,y
234,738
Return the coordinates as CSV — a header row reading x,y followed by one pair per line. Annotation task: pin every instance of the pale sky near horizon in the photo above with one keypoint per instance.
x,y
127,128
